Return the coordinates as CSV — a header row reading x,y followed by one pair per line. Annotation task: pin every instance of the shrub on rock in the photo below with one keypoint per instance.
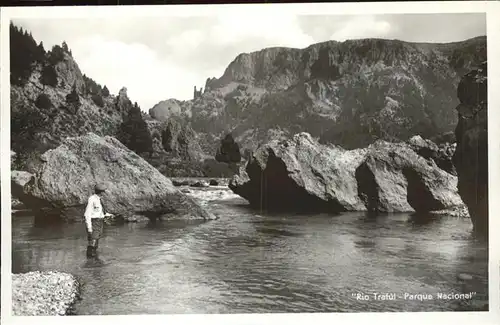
x,y
98,100
105,91
49,76
43,102
73,99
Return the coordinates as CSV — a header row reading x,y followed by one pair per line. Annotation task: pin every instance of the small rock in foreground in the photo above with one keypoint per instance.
x,y
43,293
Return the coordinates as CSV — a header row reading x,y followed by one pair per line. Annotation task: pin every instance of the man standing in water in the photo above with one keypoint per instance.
x,y
94,219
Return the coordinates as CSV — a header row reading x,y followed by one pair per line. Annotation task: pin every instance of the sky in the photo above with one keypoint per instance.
x,y
158,59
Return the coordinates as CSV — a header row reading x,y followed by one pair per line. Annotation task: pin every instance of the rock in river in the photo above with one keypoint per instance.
x,y
300,174
17,181
69,173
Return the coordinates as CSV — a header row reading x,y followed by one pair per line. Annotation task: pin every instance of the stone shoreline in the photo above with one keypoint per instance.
x,y
44,293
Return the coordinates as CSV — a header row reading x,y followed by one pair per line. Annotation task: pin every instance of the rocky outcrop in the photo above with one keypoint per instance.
x,y
18,180
166,109
197,93
442,155
394,178
180,140
177,150
301,174
69,173
43,293
471,155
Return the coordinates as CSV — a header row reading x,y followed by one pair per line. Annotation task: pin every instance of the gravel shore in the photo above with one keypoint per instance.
x,y
43,293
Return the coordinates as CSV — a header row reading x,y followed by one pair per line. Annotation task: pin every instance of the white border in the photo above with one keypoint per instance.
x,y
493,30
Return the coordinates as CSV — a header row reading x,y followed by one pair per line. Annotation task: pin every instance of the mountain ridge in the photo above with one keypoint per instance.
x,y
322,84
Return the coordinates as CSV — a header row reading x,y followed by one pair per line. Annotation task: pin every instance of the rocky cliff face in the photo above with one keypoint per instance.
x,y
347,93
42,117
471,155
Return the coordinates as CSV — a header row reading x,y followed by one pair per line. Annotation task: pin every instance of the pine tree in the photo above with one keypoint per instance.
x,y
105,91
97,99
134,132
56,55
25,125
229,151
41,52
48,76
73,99
24,54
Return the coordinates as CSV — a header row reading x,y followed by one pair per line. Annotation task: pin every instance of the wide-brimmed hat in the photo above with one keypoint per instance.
x,y
100,187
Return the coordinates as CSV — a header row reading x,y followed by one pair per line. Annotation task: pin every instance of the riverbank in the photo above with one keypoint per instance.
x,y
44,293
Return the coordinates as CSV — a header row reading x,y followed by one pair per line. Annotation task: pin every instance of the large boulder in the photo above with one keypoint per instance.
x,y
68,174
471,155
166,109
301,174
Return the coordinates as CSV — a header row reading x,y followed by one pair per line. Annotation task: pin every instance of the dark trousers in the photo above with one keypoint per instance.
x,y
94,236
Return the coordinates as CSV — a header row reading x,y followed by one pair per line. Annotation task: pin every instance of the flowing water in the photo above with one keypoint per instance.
x,y
247,262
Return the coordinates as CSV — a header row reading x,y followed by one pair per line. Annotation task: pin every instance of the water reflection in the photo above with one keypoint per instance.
x,y
246,262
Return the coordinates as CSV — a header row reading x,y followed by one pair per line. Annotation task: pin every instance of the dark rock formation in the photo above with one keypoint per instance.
x,y
197,93
200,184
302,175
69,173
471,155
180,182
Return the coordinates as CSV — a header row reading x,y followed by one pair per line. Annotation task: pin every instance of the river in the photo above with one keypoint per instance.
x,y
248,262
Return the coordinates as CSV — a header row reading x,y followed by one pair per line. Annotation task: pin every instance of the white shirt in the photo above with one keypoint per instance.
x,y
94,210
